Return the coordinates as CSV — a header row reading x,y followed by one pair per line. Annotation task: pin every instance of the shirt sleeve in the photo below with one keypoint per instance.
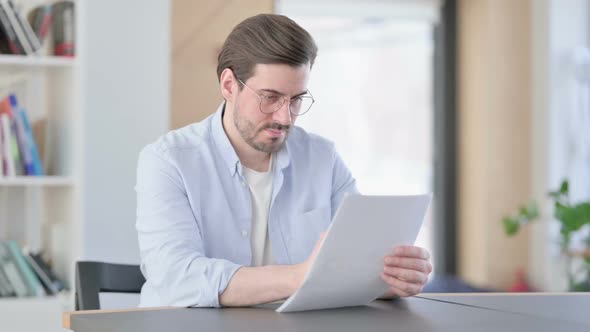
x,y
170,241
342,181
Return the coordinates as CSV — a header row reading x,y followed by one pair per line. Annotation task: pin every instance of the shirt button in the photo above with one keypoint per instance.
x,y
243,183
244,233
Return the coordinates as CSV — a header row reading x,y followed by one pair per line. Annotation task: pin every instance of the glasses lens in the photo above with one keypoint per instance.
x,y
301,105
271,103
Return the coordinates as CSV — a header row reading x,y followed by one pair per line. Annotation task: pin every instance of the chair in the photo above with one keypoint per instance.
x,y
95,277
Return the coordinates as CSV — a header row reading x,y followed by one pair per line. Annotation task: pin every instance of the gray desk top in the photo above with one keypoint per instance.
x,y
571,307
412,314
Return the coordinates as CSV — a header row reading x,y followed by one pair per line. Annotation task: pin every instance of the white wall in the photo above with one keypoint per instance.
x,y
126,85
559,28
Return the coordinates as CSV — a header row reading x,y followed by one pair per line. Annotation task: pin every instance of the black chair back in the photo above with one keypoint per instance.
x,y
95,277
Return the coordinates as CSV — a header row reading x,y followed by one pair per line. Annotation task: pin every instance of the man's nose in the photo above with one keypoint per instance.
x,y
283,115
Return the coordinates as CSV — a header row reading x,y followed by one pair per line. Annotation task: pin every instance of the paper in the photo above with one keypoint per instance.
x,y
347,269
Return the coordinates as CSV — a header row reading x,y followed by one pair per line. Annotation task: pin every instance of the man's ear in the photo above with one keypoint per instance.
x,y
227,84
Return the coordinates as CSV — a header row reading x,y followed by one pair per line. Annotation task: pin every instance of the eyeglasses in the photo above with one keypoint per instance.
x,y
270,103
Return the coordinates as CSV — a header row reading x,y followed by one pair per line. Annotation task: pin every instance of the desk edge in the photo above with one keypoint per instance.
x,y
66,317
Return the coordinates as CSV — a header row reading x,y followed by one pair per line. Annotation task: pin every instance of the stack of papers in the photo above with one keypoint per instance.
x,y
347,269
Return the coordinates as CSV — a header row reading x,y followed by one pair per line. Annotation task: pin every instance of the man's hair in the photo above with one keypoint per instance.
x,y
265,39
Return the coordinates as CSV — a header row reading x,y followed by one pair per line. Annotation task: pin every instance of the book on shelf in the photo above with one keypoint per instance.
x,y
51,282
6,155
18,149
9,43
25,274
34,286
6,289
63,28
26,28
24,34
40,19
13,18
10,269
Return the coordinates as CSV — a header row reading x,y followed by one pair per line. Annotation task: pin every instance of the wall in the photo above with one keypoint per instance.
x,y
494,137
560,27
126,84
199,28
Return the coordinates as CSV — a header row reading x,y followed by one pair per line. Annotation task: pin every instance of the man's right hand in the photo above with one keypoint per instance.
x,y
263,284
304,267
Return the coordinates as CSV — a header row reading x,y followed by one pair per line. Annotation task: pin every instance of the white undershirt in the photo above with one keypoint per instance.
x,y
260,184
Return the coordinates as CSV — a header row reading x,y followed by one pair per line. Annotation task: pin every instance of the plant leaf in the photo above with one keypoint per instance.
x,y
564,189
532,210
511,225
572,217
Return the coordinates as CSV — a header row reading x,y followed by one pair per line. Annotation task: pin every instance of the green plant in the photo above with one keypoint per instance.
x,y
572,217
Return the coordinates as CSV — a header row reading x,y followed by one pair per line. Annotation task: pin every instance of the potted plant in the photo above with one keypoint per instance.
x,y
572,218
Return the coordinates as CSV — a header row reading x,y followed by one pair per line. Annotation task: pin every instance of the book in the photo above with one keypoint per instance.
x,y
16,157
26,28
37,165
13,150
9,40
40,19
11,271
6,288
3,166
46,280
19,32
63,28
57,283
22,138
35,288
7,156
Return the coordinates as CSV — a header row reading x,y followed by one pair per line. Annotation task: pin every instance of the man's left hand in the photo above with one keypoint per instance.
x,y
406,270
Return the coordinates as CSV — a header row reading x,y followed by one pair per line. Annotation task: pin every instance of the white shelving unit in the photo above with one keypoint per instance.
x,y
37,181
100,109
44,212
21,62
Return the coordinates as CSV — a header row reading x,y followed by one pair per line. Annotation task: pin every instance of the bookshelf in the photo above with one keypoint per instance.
x,y
44,212
37,181
19,62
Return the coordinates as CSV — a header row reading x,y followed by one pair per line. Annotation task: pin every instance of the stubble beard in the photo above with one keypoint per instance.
x,y
248,132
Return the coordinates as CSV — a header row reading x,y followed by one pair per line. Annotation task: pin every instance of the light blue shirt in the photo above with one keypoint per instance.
x,y
194,210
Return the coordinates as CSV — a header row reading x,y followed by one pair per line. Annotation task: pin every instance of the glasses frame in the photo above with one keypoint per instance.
x,y
284,99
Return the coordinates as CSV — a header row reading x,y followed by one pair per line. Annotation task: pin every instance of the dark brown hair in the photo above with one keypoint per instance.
x,y
265,39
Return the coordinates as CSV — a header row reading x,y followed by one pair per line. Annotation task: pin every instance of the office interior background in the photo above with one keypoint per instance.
x,y
485,103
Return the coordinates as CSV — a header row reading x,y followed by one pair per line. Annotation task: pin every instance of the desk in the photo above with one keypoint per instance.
x,y
427,312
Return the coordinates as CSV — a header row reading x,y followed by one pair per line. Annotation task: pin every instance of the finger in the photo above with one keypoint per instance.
x,y
393,291
401,288
411,276
399,293
411,251
408,263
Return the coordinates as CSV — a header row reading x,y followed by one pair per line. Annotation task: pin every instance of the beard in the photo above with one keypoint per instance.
x,y
249,132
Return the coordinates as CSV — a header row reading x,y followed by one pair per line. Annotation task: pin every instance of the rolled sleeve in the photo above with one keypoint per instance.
x,y
171,246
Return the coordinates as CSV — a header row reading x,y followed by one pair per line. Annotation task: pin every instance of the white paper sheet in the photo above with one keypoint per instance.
x,y
346,271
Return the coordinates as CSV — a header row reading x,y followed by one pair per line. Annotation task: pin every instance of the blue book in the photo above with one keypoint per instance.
x,y
33,284
37,166
7,265
22,138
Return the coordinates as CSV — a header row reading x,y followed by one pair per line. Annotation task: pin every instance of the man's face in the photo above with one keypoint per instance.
x,y
268,132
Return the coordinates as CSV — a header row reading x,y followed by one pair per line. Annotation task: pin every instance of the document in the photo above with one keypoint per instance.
x,y
347,269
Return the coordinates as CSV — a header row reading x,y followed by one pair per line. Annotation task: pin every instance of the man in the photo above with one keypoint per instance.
x,y
231,210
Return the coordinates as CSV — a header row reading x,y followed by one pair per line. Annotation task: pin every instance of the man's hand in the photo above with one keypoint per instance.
x,y
262,284
306,265
406,271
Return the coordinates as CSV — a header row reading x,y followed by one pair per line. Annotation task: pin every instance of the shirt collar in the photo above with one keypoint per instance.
x,y
229,155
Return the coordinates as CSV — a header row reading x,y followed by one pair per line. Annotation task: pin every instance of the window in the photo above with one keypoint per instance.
x,y
372,82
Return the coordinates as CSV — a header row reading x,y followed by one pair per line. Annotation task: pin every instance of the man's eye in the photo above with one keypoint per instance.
x,y
271,98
